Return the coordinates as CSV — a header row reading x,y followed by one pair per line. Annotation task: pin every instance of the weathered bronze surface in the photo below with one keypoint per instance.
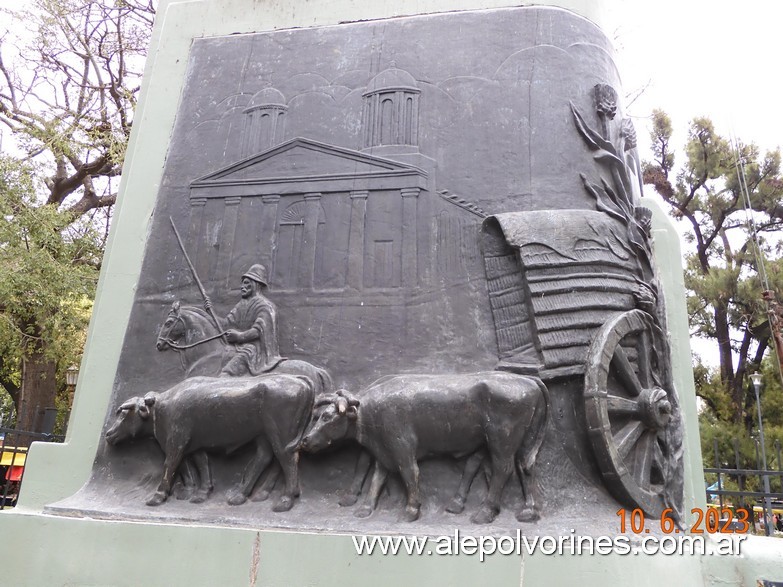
x,y
414,246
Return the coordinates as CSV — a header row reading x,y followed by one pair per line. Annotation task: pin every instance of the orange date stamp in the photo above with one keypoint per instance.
x,y
707,521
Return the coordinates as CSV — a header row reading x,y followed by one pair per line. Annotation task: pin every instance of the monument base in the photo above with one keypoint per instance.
x,y
44,549
47,550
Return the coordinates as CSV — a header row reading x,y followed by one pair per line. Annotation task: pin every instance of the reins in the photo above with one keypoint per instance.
x,y
182,347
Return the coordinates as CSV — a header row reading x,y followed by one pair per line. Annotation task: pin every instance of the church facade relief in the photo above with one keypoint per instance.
x,y
375,199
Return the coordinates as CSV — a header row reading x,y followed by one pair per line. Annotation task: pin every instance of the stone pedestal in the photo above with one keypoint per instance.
x,y
45,546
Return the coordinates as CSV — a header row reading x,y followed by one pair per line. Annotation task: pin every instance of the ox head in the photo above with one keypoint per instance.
x,y
172,330
333,420
133,419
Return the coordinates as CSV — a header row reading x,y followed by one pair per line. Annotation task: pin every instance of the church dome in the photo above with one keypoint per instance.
x,y
392,79
268,97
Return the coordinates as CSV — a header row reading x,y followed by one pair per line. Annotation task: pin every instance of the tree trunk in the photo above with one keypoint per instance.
x,y
38,389
729,379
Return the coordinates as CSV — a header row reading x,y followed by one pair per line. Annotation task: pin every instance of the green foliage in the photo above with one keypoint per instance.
x,y
48,273
738,443
728,239
737,449
662,132
70,73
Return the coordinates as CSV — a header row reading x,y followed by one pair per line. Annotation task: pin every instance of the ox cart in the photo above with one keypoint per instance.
x,y
572,297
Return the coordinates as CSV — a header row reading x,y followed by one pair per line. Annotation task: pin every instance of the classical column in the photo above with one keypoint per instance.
x,y
307,268
410,198
356,239
195,239
227,236
268,230
196,217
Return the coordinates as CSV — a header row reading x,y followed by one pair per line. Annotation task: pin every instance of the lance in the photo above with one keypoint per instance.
x,y
195,276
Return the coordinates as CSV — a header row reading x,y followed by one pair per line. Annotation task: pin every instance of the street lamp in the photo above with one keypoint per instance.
x,y
756,379
71,377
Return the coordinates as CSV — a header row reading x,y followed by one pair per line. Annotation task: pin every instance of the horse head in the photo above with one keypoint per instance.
x,y
173,329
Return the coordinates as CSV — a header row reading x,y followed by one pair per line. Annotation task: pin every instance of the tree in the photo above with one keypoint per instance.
x,y
48,273
722,271
70,72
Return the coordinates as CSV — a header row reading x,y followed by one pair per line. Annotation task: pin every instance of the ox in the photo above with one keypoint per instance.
x,y
365,461
403,418
207,413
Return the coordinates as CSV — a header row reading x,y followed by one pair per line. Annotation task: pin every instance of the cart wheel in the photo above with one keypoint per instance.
x,y
629,410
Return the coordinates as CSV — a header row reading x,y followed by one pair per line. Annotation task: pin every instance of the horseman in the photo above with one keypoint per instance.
x,y
251,328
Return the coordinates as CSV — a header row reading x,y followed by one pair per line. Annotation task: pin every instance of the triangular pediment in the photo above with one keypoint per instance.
x,y
305,159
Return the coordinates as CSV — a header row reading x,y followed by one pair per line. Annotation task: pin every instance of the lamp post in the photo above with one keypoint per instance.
x,y
71,377
756,379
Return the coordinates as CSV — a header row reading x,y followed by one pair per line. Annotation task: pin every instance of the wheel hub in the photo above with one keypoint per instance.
x,y
656,409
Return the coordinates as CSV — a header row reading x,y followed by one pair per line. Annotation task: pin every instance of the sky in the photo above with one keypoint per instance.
x,y
700,57
716,58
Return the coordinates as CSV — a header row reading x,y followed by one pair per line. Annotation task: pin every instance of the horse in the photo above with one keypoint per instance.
x,y
193,334
191,331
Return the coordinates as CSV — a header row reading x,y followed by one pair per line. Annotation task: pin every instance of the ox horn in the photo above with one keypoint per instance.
x,y
324,400
352,401
143,407
342,405
127,405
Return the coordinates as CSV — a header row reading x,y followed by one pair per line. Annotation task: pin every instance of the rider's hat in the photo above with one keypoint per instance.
x,y
257,273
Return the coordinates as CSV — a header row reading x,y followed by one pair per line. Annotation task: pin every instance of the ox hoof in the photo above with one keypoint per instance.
x,y
285,503
363,511
181,491
157,498
484,516
348,499
236,498
411,514
262,495
527,515
457,506
199,496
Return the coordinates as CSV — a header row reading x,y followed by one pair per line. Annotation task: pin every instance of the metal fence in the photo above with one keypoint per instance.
x,y
769,502
13,456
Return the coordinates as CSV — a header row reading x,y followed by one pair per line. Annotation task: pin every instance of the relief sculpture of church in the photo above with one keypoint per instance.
x,y
397,279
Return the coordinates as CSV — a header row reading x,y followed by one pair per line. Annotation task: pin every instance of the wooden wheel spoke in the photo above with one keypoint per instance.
x,y
625,372
643,459
620,406
644,356
629,436
626,438
658,455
